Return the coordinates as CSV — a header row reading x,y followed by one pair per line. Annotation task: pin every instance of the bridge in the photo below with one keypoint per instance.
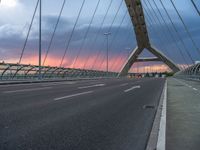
x,y
101,74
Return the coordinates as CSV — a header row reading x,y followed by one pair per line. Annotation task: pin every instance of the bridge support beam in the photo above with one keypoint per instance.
x,y
133,58
138,20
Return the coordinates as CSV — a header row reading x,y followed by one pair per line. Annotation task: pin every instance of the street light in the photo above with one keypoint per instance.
x,y
40,39
107,36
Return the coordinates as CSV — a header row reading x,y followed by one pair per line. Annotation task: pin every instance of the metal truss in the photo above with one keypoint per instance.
x,y
10,71
137,16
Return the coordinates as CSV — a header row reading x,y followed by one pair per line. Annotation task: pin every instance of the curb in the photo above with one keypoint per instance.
x,y
44,81
157,139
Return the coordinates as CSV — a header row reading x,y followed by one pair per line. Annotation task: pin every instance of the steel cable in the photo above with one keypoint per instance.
x,y
86,34
186,28
71,35
52,37
178,35
99,30
25,43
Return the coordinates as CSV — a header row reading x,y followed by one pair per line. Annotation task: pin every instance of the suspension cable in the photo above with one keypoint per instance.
x,y
115,35
150,24
171,35
179,36
86,34
156,17
195,6
121,50
99,31
72,33
27,36
118,29
52,37
186,28
109,29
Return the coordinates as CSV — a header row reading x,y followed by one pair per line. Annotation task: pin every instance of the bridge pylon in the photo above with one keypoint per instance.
x,y
138,20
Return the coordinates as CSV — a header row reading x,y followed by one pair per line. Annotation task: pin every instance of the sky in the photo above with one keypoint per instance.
x,y
90,51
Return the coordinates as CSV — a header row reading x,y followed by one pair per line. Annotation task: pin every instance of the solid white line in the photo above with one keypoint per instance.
x,y
73,95
27,90
132,88
96,85
162,130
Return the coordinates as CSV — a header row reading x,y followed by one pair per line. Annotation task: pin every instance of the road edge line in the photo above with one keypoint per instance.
x,y
157,138
161,145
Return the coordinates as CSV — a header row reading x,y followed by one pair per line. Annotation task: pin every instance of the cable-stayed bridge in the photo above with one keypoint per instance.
x,y
136,18
99,74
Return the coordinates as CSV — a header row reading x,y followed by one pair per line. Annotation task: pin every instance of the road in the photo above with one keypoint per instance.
x,y
78,115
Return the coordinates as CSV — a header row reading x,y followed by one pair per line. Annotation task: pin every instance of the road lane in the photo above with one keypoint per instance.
x,y
19,100
108,118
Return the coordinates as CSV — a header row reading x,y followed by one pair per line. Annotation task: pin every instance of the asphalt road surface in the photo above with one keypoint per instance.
x,y
78,115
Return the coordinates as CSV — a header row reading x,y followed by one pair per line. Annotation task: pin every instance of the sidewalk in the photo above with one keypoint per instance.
x,y
183,115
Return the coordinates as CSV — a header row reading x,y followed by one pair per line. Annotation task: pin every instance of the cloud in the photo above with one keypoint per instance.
x,y
14,37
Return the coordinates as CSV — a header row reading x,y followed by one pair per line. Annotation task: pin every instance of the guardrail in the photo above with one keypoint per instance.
x,y
11,71
192,72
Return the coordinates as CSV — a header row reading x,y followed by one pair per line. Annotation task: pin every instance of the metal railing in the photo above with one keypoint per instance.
x,y
192,72
11,71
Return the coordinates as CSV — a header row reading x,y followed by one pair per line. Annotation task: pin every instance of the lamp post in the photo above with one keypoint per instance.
x,y
40,38
107,37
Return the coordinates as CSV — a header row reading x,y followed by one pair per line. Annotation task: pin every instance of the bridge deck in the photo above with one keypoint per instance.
x,y
79,115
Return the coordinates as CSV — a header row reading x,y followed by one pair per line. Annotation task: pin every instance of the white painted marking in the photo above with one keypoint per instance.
x,y
132,88
96,85
162,130
38,83
186,85
123,84
73,95
27,90
58,83
195,89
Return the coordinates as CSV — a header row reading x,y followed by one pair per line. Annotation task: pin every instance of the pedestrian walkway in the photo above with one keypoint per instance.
x,y
183,115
